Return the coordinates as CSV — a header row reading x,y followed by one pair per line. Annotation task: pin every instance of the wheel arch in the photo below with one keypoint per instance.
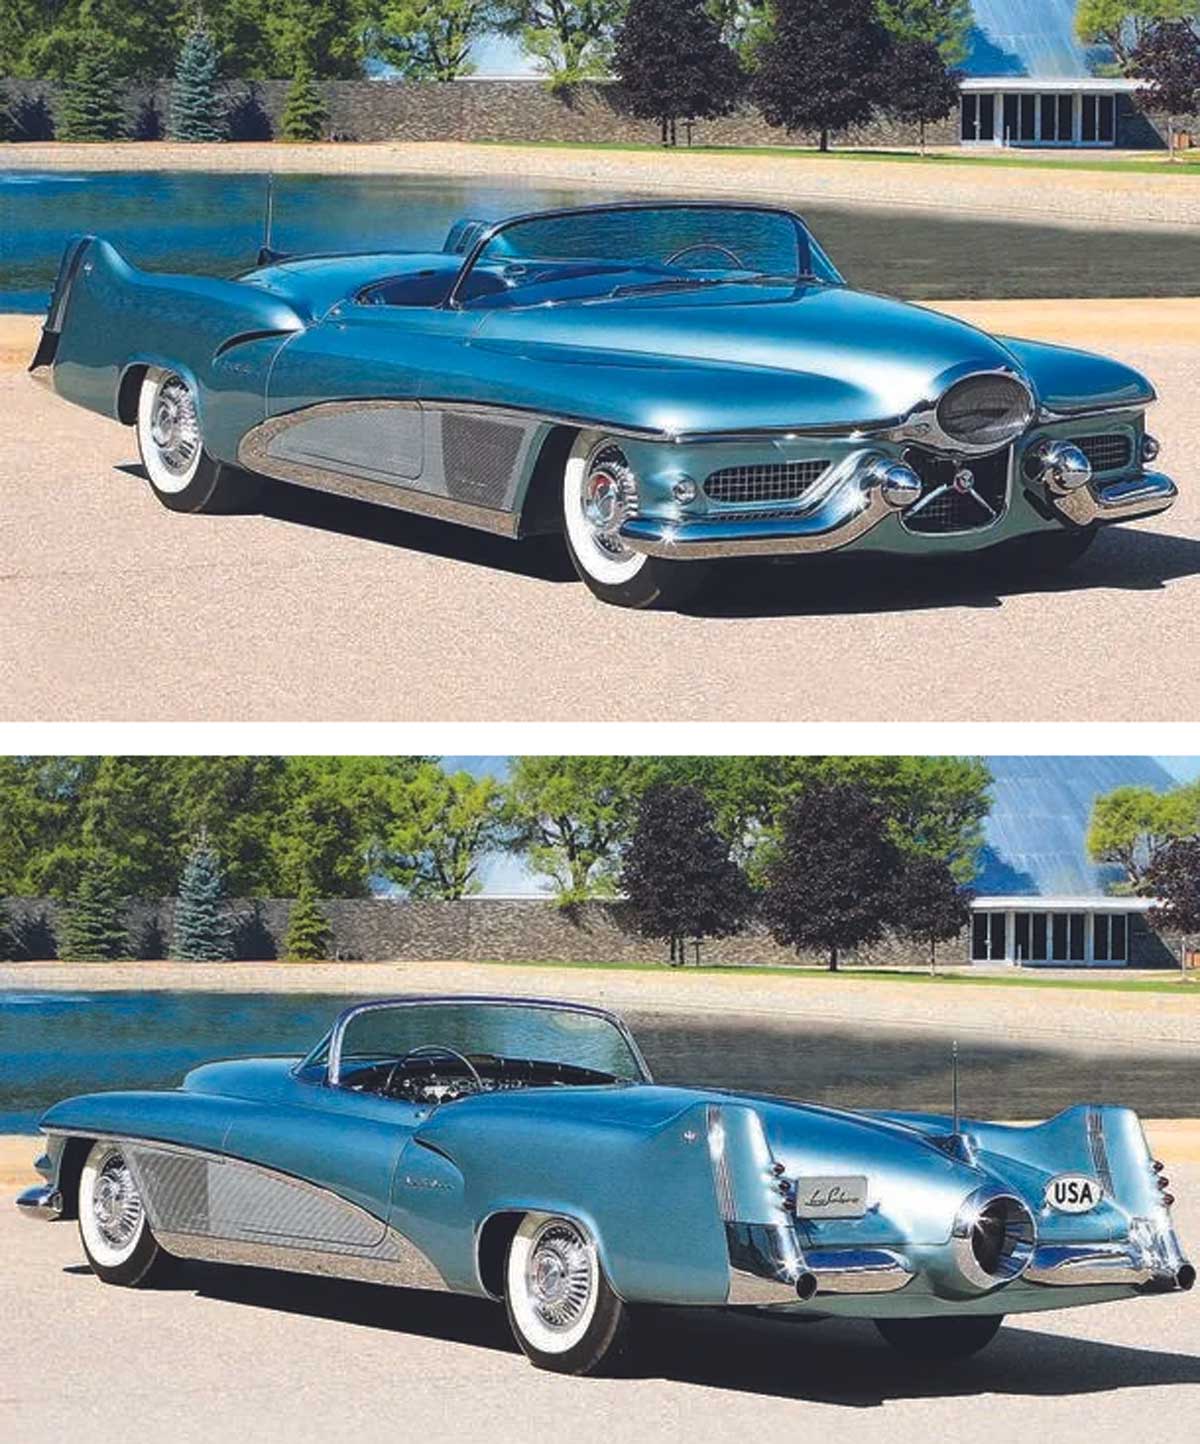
x,y
70,1170
541,507
133,373
495,1235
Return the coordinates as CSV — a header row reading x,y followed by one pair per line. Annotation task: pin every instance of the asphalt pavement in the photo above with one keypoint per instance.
x,y
240,1354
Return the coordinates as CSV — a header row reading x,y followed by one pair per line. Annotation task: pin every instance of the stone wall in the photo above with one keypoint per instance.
x,y
491,930
520,110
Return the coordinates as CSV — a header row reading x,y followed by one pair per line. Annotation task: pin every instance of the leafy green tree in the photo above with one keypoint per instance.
x,y
820,67
304,112
1131,825
570,816
93,928
833,882
943,23
131,41
677,872
673,63
442,825
431,39
570,41
266,39
197,108
931,906
8,938
202,927
1122,25
90,107
309,937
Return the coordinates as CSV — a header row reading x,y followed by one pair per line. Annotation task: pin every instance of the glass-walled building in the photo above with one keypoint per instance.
x,y
1040,113
1059,932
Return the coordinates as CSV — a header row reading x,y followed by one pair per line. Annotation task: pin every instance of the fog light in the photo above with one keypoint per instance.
x,y
1150,447
1060,465
684,490
898,484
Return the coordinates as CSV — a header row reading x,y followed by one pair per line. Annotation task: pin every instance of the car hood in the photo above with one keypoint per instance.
x,y
845,355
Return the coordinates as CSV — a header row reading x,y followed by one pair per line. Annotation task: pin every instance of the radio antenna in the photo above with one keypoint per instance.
x,y
954,1082
269,216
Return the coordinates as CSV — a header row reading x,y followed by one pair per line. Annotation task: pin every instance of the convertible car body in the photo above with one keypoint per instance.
x,y
666,384
517,1149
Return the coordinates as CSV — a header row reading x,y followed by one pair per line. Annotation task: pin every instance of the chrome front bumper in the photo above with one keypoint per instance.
x,y
42,1202
1103,503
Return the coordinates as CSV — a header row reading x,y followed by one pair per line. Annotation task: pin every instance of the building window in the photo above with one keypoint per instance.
x,y
1038,943
987,117
1058,932
989,937
1050,119
1110,938
1021,953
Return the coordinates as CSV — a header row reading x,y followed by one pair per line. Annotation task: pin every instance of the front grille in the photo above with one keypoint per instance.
x,y
1112,451
773,481
942,507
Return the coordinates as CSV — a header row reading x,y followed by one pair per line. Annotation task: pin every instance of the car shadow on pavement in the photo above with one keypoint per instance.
x,y
834,1362
1122,560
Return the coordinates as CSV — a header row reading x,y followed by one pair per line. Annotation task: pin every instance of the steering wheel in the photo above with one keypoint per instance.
x,y
434,1048
705,246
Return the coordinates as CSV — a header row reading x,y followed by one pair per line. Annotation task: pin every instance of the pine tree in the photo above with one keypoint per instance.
x,y
93,930
202,928
197,110
8,938
308,935
90,108
304,114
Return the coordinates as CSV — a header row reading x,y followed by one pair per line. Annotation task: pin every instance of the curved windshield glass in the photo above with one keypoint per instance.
x,y
517,1032
597,254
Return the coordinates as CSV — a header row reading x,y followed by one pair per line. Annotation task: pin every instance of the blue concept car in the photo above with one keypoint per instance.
x,y
517,1149
664,383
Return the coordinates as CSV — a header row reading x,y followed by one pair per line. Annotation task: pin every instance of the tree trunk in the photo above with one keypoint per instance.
x,y
1172,134
932,955
833,960
824,140
664,129
674,140
922,137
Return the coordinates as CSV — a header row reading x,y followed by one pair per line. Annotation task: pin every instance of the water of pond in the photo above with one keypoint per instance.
x,y
195,221
53,1045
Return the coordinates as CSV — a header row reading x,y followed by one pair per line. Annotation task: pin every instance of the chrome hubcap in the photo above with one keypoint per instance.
x,y
116,1203
609,498
174,426
559,1275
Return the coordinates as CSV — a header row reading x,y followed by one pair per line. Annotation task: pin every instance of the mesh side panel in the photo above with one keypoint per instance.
x,y
248,1202
479,456
772,481
1110,452
175,1187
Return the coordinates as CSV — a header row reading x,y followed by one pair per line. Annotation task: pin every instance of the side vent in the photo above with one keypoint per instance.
x,y
479,456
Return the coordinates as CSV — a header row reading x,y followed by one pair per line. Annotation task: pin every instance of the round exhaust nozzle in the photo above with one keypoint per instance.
x,y
806,1286
1185,1277
992,1240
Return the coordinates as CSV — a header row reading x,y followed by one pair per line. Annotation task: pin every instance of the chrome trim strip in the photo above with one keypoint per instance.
x,y
333,1040
1099,1150
858,1271
1047,414
398,1273
43,1203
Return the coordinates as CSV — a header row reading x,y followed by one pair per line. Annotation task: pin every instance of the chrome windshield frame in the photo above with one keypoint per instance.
x,y
333,1041
489,233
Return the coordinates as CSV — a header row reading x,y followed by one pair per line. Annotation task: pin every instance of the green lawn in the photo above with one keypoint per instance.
x,y
1187,165
1169,983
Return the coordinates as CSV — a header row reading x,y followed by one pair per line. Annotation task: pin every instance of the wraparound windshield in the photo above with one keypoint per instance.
x,y
596,254
575,1038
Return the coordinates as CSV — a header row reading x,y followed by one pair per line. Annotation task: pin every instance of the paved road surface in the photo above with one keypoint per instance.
x,y
113,608
240,1354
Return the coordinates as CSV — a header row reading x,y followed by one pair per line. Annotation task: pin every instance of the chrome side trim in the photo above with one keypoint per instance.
x,y
1079,413
846,504
415,1272
44,1203
1099,1150
1103,504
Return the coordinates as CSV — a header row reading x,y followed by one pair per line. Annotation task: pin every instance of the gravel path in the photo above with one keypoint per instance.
x,y
1078,197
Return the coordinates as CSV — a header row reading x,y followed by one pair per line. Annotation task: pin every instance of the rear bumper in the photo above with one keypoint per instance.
x,y
43,1202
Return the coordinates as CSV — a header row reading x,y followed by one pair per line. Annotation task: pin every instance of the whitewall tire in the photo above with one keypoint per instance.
x,y
182,474
113,1226
599,493
562,1310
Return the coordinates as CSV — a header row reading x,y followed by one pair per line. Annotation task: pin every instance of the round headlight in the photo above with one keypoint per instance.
x,y
684,490
983,411
1150,447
